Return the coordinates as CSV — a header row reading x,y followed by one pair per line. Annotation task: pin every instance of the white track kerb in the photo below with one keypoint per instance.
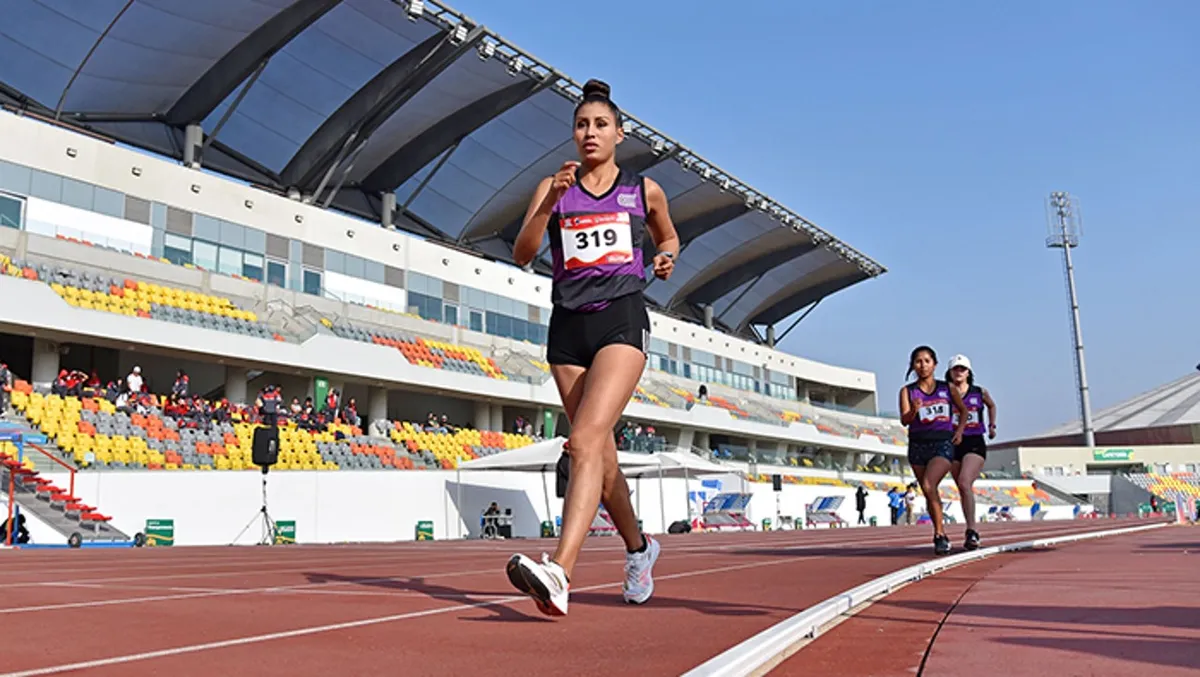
x,y
767,646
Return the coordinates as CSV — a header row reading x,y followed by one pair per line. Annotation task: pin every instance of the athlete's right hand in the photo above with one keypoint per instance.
x,y
563,179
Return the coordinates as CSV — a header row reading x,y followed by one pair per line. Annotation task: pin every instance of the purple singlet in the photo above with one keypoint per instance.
x,y
596,244
974,403
933,412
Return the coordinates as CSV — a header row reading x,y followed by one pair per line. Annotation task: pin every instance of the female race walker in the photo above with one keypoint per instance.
x,y
597,216
925,407
970,454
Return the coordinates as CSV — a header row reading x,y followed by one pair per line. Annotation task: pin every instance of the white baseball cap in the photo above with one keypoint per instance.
x,y
960,361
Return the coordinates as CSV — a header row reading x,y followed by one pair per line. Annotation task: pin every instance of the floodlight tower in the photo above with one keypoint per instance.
x,y
1064,227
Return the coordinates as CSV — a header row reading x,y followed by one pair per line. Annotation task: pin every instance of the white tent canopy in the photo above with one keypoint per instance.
x,y
680,464
539,458
544,456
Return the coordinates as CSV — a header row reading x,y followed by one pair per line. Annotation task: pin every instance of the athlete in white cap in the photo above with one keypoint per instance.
x,y
970,454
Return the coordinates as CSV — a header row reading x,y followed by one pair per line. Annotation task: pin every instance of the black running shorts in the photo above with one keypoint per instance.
x,y
971,444
574,337
922,451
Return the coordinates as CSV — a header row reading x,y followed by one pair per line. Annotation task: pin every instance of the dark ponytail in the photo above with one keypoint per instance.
x,y
598,91
913,358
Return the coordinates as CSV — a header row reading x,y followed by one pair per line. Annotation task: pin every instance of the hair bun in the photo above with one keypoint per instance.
x,y
596,87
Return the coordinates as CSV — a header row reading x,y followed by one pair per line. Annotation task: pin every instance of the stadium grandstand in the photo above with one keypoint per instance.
x,y
317,201
1148,445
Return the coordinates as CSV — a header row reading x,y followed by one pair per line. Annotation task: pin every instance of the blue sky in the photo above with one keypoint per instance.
x,y
928,135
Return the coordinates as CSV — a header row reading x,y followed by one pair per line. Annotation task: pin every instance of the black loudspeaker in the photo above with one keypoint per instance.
x,y
265,449
777,482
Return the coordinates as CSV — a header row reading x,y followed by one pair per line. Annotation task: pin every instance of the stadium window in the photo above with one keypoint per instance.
x,y
503,326
252,267
78,194
109,202
476,321
204,255
229,261
450,313
277,273
312,282
176,249
10,211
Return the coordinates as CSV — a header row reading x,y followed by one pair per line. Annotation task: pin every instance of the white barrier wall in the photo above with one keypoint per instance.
x,y
211,508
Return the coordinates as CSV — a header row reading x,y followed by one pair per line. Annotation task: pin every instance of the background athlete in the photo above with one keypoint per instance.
x,y
925,407
971,452
597,216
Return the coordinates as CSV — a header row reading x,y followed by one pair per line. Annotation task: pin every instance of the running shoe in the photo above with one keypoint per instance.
x,y
972,542
941,544
544,581
639,567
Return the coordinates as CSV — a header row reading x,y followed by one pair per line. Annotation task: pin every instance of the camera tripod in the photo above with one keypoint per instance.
x,y
268,524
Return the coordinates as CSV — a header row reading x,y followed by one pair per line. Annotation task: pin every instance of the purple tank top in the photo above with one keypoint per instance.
x,y
933,412
596,244
974,403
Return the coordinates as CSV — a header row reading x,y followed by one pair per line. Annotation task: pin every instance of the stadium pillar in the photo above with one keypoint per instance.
x,y
687,438
708,315
483,416
497,418
387,209
771,336
235,384
700,440
45,363
377,406
193,138
752,448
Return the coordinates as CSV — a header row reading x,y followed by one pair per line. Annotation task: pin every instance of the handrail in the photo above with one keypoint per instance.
x,y
59,461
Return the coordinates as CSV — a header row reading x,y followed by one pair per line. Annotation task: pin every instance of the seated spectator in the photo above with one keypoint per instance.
x,y
703,393
445,425
6,384
350,413
20,535
295,409
181,385
92,387
111,391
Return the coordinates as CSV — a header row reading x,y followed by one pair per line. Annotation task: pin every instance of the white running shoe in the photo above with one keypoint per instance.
x,y
639,567
544,581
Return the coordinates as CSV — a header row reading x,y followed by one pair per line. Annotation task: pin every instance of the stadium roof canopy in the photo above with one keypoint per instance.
x,y
1171,404
342,102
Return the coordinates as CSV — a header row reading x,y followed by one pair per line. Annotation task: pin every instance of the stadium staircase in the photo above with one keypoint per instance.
x,y
36,494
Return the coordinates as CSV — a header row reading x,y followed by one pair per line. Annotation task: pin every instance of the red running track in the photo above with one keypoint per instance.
x,y
427,608
1122,605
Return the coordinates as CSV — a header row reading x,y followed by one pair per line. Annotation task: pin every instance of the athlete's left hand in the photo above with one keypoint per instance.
x,y
992,432
663,265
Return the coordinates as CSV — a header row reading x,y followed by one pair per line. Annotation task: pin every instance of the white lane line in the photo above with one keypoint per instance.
x,y
762,652
333,627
